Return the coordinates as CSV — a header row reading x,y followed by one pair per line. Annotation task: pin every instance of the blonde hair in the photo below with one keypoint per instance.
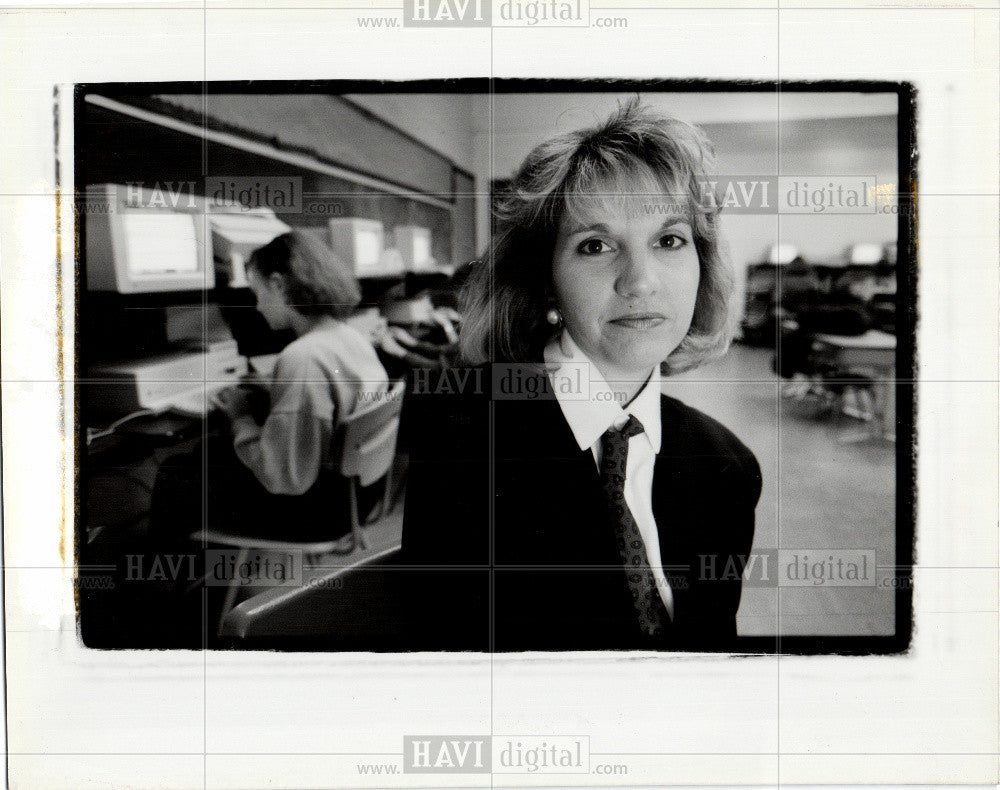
x,y
634,156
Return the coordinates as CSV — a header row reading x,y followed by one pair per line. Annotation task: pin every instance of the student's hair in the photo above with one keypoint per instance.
x,y
647,162
318,281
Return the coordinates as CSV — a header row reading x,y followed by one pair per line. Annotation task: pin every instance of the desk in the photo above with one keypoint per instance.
x,y
148,430
873,353
119,469
171,412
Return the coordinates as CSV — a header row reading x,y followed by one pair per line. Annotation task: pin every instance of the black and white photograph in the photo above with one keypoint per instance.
x,y
502,393
628,370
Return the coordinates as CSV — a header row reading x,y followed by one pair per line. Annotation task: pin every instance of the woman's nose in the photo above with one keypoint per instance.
x,y
637,277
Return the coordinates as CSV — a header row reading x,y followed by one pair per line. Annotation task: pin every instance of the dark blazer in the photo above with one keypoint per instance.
x,y
512,549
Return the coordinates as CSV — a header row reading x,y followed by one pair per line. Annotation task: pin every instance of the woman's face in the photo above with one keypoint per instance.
x,y
271,301
626,283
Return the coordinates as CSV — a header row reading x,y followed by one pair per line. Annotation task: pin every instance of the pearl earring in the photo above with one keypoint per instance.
x,y
554,317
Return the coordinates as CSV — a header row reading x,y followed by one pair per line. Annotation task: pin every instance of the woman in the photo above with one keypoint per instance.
x,y
276,479
571,504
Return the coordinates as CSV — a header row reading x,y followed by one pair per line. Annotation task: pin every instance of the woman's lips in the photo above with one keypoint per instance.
x,y
639,320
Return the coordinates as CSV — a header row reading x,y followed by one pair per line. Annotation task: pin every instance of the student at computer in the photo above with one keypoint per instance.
x,y
282,482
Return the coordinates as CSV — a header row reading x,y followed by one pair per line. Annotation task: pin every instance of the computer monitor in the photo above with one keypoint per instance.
x,y
414,244
866,254
136,245
359,242
781,254
236,235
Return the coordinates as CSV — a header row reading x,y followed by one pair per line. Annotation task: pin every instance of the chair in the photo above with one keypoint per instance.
x,y
347,608
365,444
854,397
366,447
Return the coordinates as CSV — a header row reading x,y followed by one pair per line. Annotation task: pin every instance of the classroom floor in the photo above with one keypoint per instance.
x,y
823,491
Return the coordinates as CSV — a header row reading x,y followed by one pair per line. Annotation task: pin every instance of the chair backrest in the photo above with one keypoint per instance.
x,y
365,443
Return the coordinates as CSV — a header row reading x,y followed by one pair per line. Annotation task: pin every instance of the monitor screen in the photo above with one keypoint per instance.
x,y
369,247
421,248
160,244
864,253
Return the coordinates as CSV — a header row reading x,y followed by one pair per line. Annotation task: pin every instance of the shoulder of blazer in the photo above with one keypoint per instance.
x,y
445,412
692,434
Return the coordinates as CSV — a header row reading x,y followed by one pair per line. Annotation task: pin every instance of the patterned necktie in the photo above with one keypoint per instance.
x,y
649,607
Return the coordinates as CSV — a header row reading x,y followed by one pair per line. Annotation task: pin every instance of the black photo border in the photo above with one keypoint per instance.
x,y
906,302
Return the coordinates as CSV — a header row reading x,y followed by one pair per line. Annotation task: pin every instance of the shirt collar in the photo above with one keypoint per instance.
x,y
591,413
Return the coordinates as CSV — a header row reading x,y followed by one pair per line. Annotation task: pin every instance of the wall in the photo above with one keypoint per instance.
x,y
442,121
119,149
833,133
813,149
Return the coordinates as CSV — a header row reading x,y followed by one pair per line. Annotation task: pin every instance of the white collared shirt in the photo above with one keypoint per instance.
x,y
591,414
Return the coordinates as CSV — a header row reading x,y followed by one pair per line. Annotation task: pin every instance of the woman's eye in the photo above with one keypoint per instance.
x,y
671,241
592,247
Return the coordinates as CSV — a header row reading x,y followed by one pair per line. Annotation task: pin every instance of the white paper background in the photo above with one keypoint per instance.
x,y
100,719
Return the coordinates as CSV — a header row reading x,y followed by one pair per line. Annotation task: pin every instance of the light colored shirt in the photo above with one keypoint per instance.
x,y
591,414
319,379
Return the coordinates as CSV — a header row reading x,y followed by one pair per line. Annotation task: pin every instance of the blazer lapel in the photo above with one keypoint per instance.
x,y
677,486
